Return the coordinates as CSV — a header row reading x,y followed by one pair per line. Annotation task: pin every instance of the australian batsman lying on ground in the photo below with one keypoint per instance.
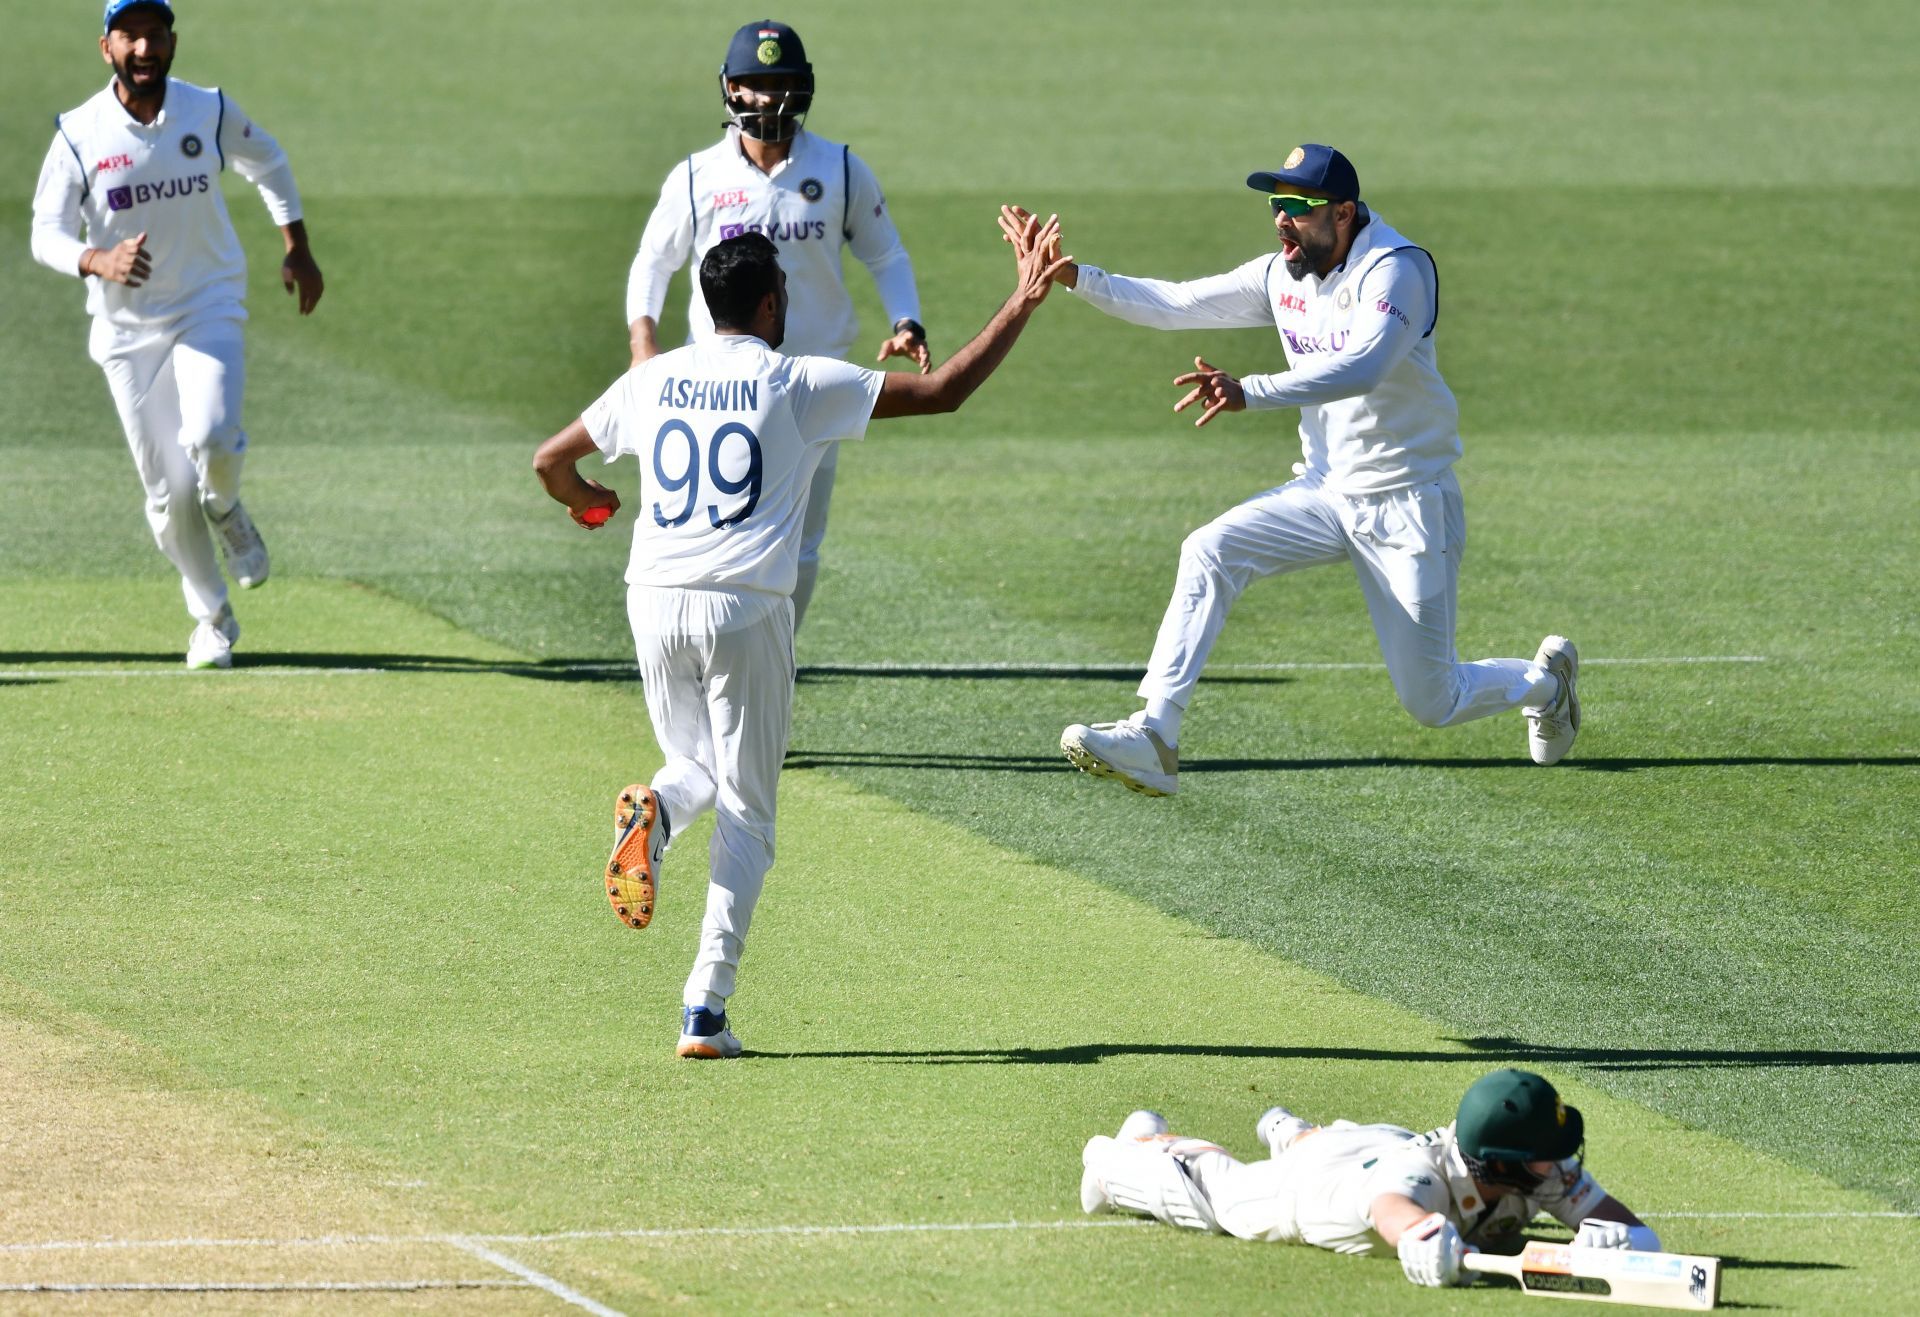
x,y
1356,305
129,200
1511,1153
769,175
729,433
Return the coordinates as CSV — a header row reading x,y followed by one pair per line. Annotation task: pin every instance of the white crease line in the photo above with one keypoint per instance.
x,y
532,669
564,1293
258,1287
468,1242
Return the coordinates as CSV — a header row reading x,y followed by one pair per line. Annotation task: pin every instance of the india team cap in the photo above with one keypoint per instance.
x,y
765,47
1515,1116
115,8
1312,165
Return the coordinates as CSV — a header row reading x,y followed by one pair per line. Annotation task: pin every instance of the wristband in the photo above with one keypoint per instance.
x,y
912,326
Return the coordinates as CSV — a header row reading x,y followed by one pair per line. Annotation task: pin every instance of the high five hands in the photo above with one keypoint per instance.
x,y
1219,391
1037,247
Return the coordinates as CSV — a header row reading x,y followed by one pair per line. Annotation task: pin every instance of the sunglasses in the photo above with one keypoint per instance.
x,y
1296,206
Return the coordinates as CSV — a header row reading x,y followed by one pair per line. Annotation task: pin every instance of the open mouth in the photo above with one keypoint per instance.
x,y
1289,249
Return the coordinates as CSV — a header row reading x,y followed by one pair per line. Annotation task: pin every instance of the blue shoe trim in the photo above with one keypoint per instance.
x,y
699,1022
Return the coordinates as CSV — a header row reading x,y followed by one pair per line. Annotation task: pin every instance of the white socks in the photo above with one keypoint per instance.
x,y
1163,717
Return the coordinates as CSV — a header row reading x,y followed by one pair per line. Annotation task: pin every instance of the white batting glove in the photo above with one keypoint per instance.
x,y
1595,1233
1430,1253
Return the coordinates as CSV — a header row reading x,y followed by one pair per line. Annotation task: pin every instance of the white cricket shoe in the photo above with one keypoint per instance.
x,y
1277,1128
241,546
1093,1190
1129,752
704,1035
1551,730
211,645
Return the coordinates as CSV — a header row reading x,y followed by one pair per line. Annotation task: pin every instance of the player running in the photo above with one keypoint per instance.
x,y
1356,304
810,196
136,170
1512,1152
729,434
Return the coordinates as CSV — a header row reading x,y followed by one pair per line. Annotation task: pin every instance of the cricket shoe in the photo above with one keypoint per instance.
x,y
211,645
1129,752
640,833
1277,1128
704,1035
1551,730
1093,1190
241,546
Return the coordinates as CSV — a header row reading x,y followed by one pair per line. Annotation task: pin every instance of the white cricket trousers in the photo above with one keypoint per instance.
x,y
718,670
1405,547
178,394
813,531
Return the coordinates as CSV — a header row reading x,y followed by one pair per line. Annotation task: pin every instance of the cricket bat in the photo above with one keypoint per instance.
x,y
1608,1275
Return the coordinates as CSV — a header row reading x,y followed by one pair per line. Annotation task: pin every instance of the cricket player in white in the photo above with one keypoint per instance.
x,y
1356,305
1511,1153
729,433
810,196
129,199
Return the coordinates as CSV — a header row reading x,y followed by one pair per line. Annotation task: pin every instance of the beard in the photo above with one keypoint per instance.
x,y
152,86
1311,251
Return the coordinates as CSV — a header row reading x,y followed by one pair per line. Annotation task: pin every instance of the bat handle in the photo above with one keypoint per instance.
x,y
1492,1264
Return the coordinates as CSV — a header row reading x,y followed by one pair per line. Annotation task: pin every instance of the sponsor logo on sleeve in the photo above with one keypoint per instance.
x,y
812,189
1387,308
192,146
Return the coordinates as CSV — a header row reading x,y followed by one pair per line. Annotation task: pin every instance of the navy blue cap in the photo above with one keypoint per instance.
x,y
765,47
1313,166
115,8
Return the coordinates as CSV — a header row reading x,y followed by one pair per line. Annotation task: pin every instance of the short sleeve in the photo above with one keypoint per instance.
x,y
1570,1194
1410,1177
832,399
609,420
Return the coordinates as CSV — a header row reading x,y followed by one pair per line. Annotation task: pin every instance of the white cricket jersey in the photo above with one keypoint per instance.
x,y
1356,1164
1374,413
821,196
728,433
108,177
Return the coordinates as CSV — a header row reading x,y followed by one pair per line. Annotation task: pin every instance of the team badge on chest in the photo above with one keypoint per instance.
x,y
813,189
192,146
1344,299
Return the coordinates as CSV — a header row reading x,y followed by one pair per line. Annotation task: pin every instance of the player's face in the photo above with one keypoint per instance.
x,y
765,91
1310,241
140,49
1538,1170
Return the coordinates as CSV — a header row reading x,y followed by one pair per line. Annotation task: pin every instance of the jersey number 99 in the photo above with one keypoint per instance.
x,y
678,436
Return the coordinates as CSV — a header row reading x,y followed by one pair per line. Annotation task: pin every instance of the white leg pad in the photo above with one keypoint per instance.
x,y
1147,1177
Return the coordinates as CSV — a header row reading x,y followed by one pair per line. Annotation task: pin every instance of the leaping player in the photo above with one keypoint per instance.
x,y
812,197
1512,1152
730,434
136,170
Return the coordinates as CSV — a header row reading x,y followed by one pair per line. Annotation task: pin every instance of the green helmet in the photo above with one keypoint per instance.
x,y
1514,1116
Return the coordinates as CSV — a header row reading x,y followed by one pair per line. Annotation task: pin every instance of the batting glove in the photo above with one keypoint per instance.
x,y
1595,1233
1430,1253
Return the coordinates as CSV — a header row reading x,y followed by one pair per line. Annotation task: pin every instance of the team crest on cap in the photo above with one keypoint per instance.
x,y
1559,1111
813,189
191,145
769,52
1298,154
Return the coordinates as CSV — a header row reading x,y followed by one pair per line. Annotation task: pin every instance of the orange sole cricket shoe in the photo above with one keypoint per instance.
x,y
640,835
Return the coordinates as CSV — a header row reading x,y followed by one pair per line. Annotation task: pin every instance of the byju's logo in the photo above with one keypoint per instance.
x,y
799,232
120,198
731,231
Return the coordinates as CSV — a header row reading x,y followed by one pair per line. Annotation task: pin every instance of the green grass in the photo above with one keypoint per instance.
x,y
368,901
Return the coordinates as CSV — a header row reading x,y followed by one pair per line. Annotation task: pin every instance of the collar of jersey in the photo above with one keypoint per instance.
x,y
159,120
733,136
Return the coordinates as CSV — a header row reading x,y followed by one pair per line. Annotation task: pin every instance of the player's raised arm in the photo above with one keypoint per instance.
x,y
1035,248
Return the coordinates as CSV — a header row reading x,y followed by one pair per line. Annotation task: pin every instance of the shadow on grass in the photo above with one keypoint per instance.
x,y
591,670
834,672
800,760
1480,1051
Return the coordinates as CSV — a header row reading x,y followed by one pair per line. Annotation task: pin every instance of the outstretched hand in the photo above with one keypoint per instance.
x,y
1219,391
1068,271
1037,248
906,343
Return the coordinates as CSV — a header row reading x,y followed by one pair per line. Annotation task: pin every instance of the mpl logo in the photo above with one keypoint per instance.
x,y
729,199
1292,302
113,162
120,198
